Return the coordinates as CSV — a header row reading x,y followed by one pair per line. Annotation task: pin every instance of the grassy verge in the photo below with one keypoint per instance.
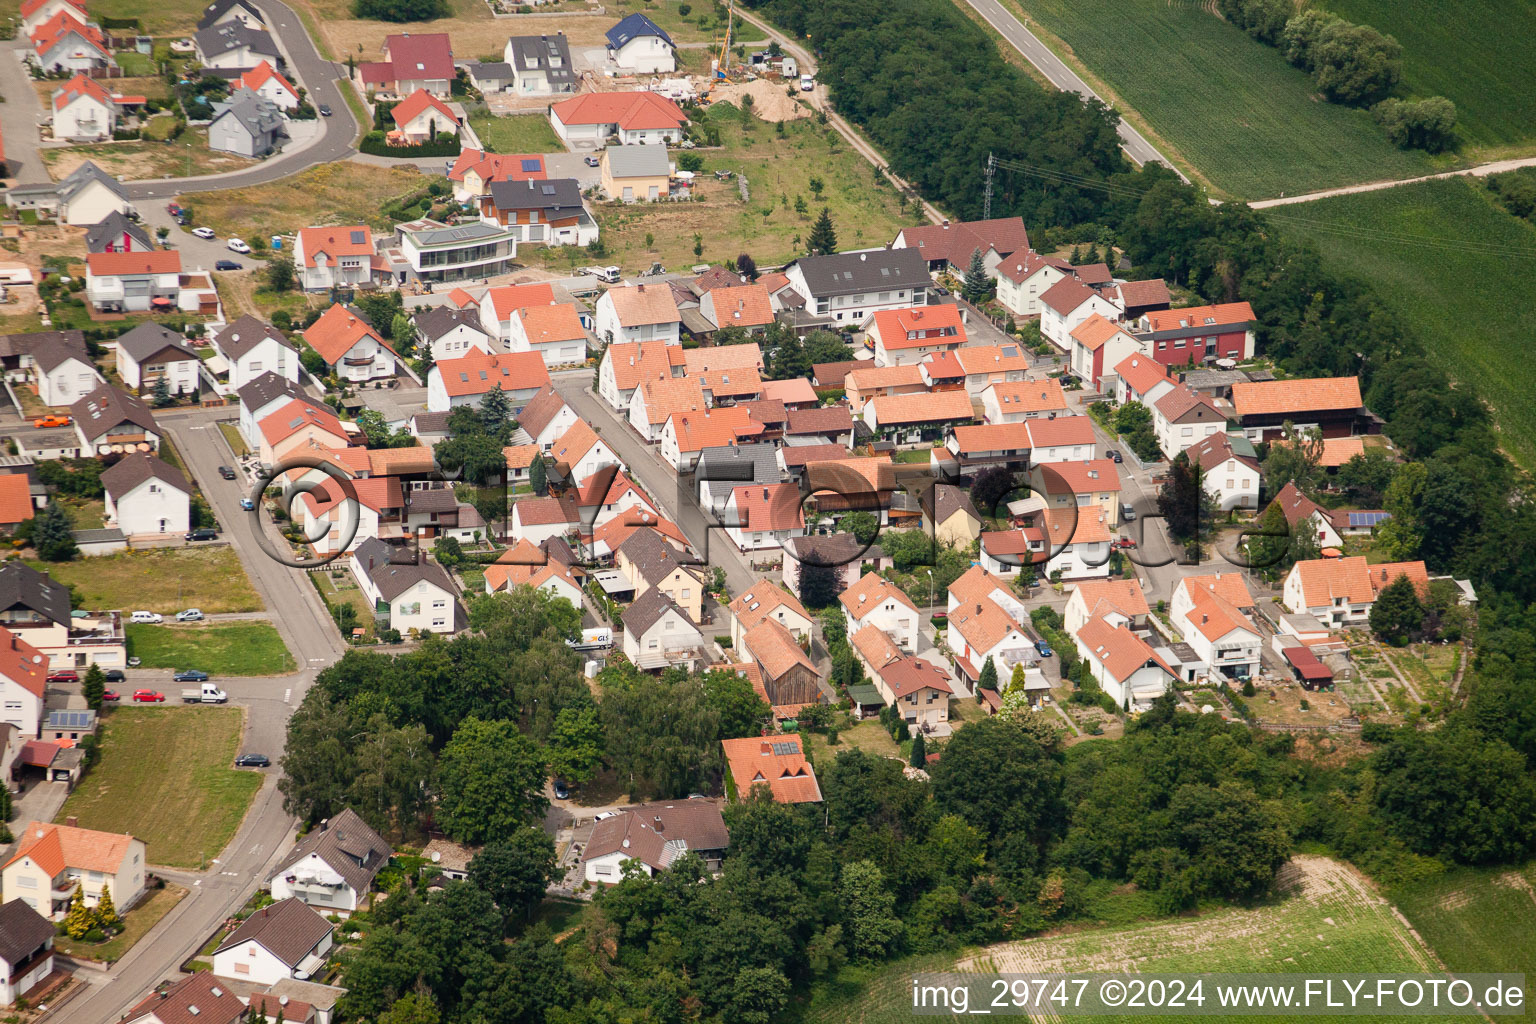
x,y
231,434
344,590
335,193
520,133
163,580
136,923
220,649
165,775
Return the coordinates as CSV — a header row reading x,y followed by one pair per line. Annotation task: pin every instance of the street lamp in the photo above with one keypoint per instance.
x,y
930,591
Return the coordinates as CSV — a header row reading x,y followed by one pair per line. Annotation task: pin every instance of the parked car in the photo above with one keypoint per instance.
x,y
63,675
247,505
203,232
325,109
228,265
190,615
203,534
593,161
226,473
1113,455
605,815
206,694
253,761
148,697
149,617
133,662
1043,648
1125,543
174,209
190,675
239,246
51,420
1127,513
562,791
111,695
116,675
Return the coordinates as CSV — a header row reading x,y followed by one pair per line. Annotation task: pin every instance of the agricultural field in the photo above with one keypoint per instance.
x,y
163,580
335,193
1330,920
1455,267
1495,107
1477,919
220,649
1229,107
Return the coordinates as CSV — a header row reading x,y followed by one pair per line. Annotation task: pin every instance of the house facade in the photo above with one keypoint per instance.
x,y
332,868
334,257
146,495
150,353
51,861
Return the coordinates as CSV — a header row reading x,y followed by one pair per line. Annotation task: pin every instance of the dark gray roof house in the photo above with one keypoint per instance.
x,y
553,197
53,348
394,576
116,233
347,846
637,161
23,933
151,342
135,468
222,38
646,611
14,346
651,555
82,176
288,929
266,388
248,124
548,54
436,321
28,596
738,464
216,11
108,410
245,334
540,410
846,273
633,27
944,500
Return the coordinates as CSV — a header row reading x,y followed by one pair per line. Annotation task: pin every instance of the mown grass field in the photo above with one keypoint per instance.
x,y
166,775
519,133
220,649
1331,921
1478,920
1231,107
1483,60
163,580
1448,259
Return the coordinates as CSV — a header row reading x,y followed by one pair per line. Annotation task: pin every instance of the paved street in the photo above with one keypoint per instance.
x,y
1058,74
19,115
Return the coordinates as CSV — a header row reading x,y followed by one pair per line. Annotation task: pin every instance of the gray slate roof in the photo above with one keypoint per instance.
x,y
112,228
489,71
739,464
22,932
82,176
216,10
21,585
218,39
267,387
245,334
549,54
394,579
259,116
53,349
557,196
437,321
351,849
135,468
288,929
12,345
150,339
637,161
107,408
652,556
849,272
944,500
645,612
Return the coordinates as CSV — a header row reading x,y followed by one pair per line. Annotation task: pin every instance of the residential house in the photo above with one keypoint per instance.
x,y
146,495
789,678
850,287
869,381
794,458
987,365
608,495
1182,416
108,417
350,346
340,521
638,313
916,419
767,602
66,42
873,600
1197,334
51,861
546,417
412,61
82,110
116,233
411,591
16,500
1066,304
948,247
335,257
840,552
1141,297
1063,439
976,448
62,370
1098,345
949,517
86,195
686,436
830,424
150,353
552,332
658,634
133,282
333,866
1229,469
1017,401
247,125
220,12
655,401
268,83
421,117
1126,668
474,170
235,45
729,374
1072,542
626,364
638,46
36,13
451,333
942,372
1141,380
918,689
631,118
721,468
608,538
200,997
1083,485
580,453
1339,592
428,250
777,762
26,949
985,624
537,520
633,173
763,518
1093,597
1210,613
541,65
251,349
1330,405
654,836
298,426
742,305
285,940
525,565
37,609
650,563
1305,516
23,680
1024,278
498,306
902,336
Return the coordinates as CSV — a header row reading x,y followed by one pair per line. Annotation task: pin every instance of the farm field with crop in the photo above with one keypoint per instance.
x,y
1440,253
1330,920
1495,107
1477,919
1230,107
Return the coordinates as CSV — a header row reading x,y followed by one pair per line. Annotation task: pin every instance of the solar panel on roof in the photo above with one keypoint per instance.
x,y
531,165
1368,518
357,238
785,748
548,190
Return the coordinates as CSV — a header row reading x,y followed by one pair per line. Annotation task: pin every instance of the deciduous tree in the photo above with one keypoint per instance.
x,y
516,870
491,782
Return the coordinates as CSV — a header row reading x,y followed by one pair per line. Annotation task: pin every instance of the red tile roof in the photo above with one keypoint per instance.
x,y
870,591
82,848
774,650
114,264
545,324
508,299
629,110
420,55
1140,372
635,361
497,166
894,325
742,305
935,407
638,305
418,103
335,241
771,507
1030,396
1066,295
1096,476
546,511
777,762
1125,596
261,74
20,662
337,331
669,395
79,86
1199,317
478,372
911,674
15,498
1093,332
696,431
1063,430
1019,270
289,419
1352,578
1120,651
1275,397
992,358
994,437
1144,293
956,242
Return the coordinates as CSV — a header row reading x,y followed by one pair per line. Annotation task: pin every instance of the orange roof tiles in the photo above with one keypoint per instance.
x,y
773,507
77,87
418,103
1097,476
628,110
546,511
335,241
869,377
912,675
696,431
544,324
744,305
574,444
869,592
875,646
794,391
392,461
635,361
81,848
1352,578
774,650
496,166
1216,604
1095,331
992,358
1335,451
621,527
1275,397
993,437
1030,396
1120,651
905,328
935,407
289,419
478,372
15,498
460,298
983,624
337,331
505,576
777,762
120,264
671,395
1075,526
1063,430
1067,295
762,600
1125,596
520,456
1140,372
639,305
20,662
508,299
263,73
1222,315
748,356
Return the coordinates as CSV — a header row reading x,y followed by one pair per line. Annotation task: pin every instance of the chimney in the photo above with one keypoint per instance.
x,y
72,821
767,748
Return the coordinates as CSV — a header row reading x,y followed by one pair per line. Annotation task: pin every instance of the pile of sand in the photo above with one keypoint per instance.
x,y
770,99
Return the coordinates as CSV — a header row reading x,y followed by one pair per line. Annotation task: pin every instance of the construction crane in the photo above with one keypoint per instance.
x,y
720,66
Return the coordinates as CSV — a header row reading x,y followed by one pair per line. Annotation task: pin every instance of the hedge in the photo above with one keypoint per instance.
x,y
373,144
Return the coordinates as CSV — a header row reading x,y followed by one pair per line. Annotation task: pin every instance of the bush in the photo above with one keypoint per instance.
x,y
400,10
1428,124
373,143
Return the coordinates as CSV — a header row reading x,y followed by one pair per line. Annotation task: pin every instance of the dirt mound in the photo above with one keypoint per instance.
x,y
770,99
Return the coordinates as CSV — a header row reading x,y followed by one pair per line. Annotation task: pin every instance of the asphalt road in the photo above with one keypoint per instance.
x,y
267,832
1062,77
19,115
314,74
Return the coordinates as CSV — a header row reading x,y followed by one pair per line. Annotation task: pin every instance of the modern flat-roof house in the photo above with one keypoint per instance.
x,y
421,60
638,46
333,867
1197,334
350,346
428,250
541,65
633,118
849,287
1330,405
544,211
150,353
334,257
50,861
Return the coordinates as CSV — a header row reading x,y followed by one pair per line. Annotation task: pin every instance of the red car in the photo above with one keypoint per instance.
x,y
148,697
1125,542
64,675
111,695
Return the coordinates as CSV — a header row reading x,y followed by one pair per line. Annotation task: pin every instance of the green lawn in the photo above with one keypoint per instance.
x,y
164,580
1440,253
165,775
520,133
136,923
1495,106
1478,919
220,649
1232,107
168,17
231,434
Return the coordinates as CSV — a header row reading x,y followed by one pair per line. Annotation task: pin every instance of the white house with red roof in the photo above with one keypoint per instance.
x,y
553,332
536,520
1081,485
419,60
986,365
1026,276
1066,304
581,452
1230,469
1182,416
35,13
874,600
350,346
986,623
526,565
634,118
1063,439
82,110
1017,401
655,402
1099,344
1095,597
905,336
1339,592
268,83
340,256
133,282
23,682
1139,378
474,170
299,423
625,364
422,117
638,313
762,517
467,380
1125,667
498,305
328,511
1210,612
67,42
